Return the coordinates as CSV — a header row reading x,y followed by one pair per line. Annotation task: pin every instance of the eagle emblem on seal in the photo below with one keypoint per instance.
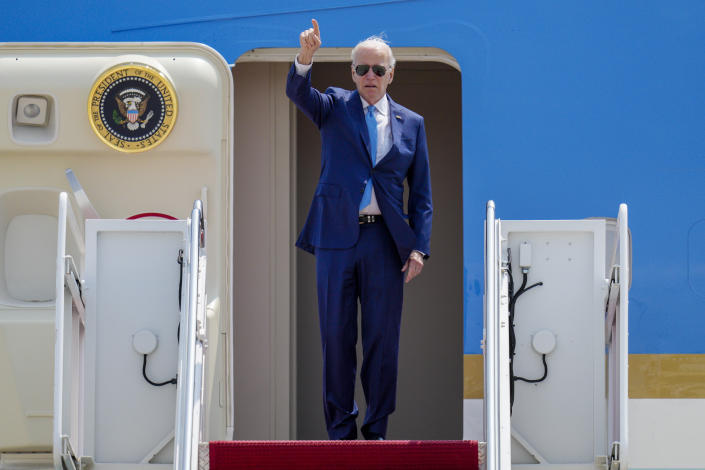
x,y
132,104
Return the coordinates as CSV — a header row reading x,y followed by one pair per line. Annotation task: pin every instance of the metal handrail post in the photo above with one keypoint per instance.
x,y
490,333
190,381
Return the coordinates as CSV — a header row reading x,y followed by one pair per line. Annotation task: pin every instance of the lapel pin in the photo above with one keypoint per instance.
x,y
397,116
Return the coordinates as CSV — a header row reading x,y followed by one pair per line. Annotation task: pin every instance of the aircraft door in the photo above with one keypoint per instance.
x,y
551,354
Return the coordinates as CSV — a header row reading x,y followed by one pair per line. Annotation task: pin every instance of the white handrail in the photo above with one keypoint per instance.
x,y
490,333
623,333
68,335
59,332
496,346
617,341
191,350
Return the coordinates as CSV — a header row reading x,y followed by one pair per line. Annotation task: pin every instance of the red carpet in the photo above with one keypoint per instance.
x,y
343,455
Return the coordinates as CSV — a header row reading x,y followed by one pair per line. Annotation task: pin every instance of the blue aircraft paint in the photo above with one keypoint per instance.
x,y
569,108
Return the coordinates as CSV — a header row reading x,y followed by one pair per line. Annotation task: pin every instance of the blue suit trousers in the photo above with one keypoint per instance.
x,y
369,271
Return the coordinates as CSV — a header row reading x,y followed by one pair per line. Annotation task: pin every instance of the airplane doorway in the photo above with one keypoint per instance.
x,y
277,351
430,382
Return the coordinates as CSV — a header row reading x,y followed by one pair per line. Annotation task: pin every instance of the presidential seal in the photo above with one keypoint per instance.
x,y
132,107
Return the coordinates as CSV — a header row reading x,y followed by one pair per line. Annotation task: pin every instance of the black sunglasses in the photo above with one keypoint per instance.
x,y
378,70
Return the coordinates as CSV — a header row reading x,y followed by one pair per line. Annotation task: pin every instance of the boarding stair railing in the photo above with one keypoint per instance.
x,y
617,340
192,350
70,379
70,328
496,349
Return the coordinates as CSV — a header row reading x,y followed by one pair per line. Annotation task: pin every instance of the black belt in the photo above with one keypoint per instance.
x,y
369,219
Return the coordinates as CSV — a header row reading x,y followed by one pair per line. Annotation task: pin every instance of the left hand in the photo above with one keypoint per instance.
x,y
310,42
413,266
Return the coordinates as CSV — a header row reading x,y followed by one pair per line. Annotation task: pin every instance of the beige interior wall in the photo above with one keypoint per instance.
x,y
262,229
429,398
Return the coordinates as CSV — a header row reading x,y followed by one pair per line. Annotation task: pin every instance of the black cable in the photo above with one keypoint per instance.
x,y
512,335
513,300
535,381
156,384
180,261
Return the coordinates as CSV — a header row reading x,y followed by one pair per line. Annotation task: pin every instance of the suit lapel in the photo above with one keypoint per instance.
x,y
358,118
396,123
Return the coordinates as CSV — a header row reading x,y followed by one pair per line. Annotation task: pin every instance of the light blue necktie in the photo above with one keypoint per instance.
x,y
372,129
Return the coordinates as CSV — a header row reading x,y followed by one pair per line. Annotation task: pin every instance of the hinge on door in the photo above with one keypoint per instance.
x,y
69,460
613,286
68,457
201,334
611,301
614,458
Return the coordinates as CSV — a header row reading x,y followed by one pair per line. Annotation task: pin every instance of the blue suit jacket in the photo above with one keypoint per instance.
x,y
346,166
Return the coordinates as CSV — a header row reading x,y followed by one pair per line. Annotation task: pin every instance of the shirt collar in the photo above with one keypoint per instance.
x,y
382,106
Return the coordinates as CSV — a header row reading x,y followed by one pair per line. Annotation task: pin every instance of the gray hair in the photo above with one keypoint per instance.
x,y
374,42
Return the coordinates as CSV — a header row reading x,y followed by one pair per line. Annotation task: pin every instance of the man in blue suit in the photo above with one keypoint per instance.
x,y
364,246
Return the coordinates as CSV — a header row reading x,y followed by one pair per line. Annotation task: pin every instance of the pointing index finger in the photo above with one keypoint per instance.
x,y
316,30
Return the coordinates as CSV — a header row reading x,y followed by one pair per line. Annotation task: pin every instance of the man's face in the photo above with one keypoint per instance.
x,y
371,87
